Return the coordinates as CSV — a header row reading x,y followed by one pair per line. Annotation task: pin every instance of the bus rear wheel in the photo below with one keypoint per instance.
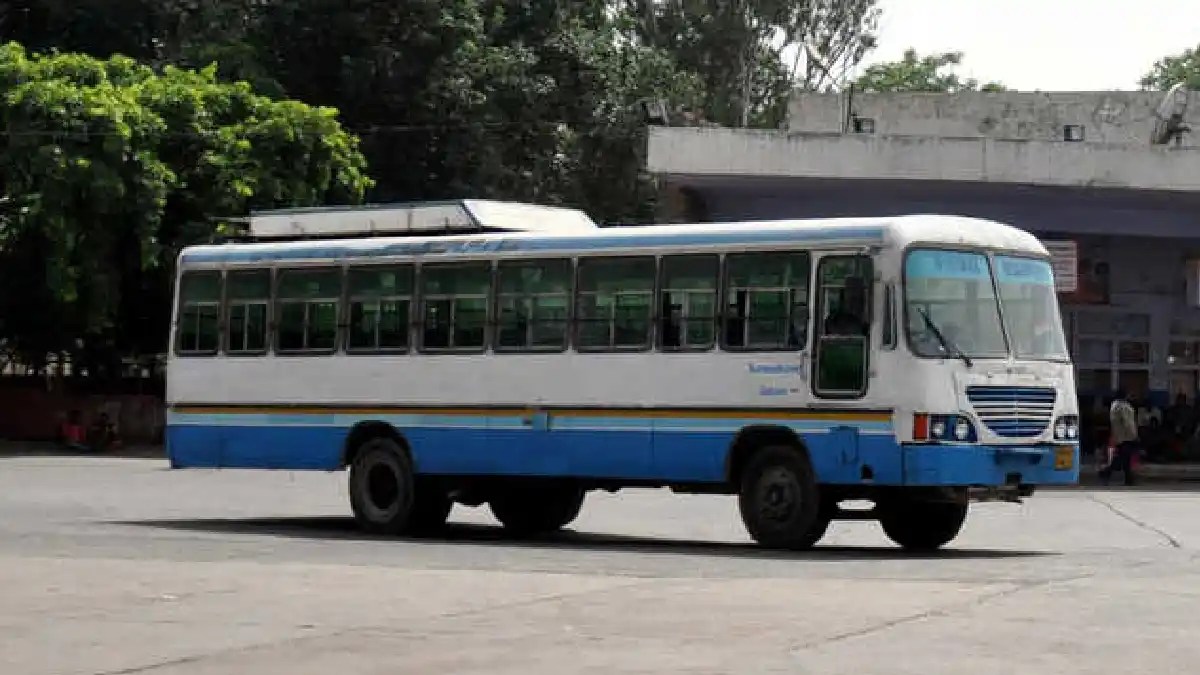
x,y
536,509
388,498
780,501
922,525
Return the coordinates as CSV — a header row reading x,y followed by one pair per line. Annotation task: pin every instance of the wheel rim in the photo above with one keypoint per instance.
x,y
778,495
380,487
383,489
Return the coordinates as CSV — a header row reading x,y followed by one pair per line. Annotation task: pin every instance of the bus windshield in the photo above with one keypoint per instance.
x,y
953,309
1031,315
951,306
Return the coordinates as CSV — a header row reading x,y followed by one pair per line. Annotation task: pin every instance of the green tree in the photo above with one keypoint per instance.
x,y
1171,70
751,54
519,99
108,168
932,73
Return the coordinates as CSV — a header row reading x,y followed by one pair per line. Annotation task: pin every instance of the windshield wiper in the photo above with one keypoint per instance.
x,y
950,348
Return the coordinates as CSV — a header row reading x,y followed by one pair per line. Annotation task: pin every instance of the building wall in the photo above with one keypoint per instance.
x,y
1114,118
736,152
30,411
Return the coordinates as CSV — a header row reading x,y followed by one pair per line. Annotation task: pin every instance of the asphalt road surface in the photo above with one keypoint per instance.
x,y
122,566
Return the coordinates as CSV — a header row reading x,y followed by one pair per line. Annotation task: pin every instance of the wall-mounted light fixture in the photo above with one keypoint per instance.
x,y
864,125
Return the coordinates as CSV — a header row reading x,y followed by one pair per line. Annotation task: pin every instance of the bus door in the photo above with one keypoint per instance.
x,y
841,352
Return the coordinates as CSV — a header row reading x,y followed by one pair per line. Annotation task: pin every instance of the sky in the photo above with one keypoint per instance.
x,y
1048,45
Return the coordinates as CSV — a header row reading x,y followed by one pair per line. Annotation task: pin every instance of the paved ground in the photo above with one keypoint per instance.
x,y
120,566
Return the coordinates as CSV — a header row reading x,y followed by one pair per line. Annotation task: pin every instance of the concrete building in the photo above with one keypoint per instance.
x,y
1077,169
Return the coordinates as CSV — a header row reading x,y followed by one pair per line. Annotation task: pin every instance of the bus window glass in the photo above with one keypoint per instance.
x,y
199,306
248,293
1031,316
766,301
533,299
950,305
454,299
307,305
615,303
380,301
843,337
688,302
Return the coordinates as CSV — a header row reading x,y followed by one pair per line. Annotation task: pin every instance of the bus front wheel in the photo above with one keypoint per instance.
x,y
922,525
780,501
387,497
535,510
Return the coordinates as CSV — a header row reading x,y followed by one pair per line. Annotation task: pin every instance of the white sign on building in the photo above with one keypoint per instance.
x,y
1064,258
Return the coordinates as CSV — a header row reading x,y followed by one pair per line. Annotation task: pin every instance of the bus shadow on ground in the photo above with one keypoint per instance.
x,y
330,528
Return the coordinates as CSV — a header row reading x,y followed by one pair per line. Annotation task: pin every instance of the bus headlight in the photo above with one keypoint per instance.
x,y
962,430
1066,428
937,429
953,428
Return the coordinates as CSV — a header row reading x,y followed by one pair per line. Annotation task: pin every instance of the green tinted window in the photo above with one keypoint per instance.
x,y
533,304
844,284
249,285
248,294
688,302
198,327
307,310
310,284
381,282
454,301
766,301
380,308
615,301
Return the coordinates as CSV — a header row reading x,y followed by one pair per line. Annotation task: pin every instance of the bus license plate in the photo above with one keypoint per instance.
x,y
1064,458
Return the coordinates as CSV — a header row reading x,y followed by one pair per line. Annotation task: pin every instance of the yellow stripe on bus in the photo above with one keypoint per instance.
x,y
641,413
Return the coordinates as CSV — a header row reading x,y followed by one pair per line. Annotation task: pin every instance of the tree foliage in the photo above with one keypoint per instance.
x,y
931,73
1171,70
751,54
108,168
535,100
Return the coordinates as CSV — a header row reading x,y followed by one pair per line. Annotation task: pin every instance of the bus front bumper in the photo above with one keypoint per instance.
x,y
991,465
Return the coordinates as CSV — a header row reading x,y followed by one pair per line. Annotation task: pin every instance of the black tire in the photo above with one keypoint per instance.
x,y
536,510
382,483
922,525
780,501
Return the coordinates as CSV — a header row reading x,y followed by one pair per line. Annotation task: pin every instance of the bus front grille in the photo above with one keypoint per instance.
x,y
1013,412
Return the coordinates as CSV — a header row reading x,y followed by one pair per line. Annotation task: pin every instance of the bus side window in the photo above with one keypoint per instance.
x,y
843,333
306,310
380,300
532,305
688,302
198,330
247,296
766,301
454,306
614,303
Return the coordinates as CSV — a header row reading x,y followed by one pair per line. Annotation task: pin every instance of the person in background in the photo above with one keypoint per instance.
x,y
1181,423
72,433
1123,440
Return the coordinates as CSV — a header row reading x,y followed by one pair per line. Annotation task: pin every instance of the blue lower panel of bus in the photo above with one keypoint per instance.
x,y
990,465
609,447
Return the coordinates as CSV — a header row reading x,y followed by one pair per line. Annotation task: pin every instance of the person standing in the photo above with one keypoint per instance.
x,y
1123,440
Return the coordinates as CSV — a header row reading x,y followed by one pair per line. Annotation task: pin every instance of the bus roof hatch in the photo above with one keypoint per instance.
x,y
423,218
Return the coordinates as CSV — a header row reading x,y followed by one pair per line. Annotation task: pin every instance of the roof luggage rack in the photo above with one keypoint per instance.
x,y
467,216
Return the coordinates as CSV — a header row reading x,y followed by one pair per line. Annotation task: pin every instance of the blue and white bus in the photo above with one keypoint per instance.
x,y
518,356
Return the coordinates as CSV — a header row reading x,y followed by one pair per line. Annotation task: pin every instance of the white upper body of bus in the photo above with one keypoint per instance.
x,y
955,305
